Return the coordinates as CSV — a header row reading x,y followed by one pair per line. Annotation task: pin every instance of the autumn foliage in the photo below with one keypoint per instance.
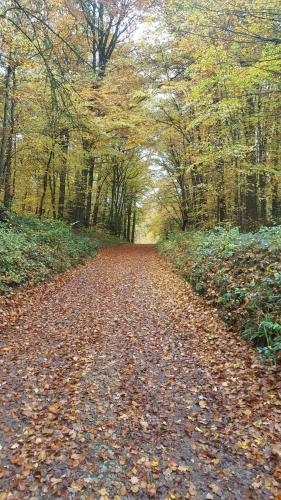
x,y
134,388
140,119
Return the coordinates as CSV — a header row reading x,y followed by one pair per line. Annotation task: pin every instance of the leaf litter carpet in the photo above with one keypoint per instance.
x,y
117,381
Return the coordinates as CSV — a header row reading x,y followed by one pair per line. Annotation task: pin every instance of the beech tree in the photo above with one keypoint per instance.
x,y
216,104
64,140
87,109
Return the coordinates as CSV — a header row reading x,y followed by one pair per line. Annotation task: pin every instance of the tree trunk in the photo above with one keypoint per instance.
x,y
276,203
113,195
45,184
8,184
184,202
251,202
221,205
52,186
96,206
134,224
129,222
7,81
64,141
90,192
125,227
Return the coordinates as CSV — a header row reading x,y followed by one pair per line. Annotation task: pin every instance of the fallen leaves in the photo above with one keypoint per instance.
x,y
154,462
115,386
192,490
214,488
135,488
189,429
54,409
203,404
276,450
183,468
103,492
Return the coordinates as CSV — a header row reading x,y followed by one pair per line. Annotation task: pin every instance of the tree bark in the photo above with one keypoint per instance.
x,y
89,192
8,184
129,221
45,184
96,206
52,186
134,224
7,81
64,141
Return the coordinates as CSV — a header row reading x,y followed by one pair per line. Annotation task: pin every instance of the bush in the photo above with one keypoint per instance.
x,y
32,249
240,274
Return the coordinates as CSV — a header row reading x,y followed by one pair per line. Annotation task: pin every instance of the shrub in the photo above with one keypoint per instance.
x,y
240,273
32,249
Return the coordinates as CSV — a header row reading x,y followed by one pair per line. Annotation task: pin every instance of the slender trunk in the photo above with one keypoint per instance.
x,y
4,140
134,225
120,217
45,184
251,202
276,202
113,195
251,192
14,168
82,196
184,205
96,206
64,145
129,222
8,184
125,227
78,207
89,193
262,184
261,179
53,195
94,37
62,193
116,204
183,201
221,205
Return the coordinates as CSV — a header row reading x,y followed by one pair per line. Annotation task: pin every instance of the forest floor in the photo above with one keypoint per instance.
x,y
117,380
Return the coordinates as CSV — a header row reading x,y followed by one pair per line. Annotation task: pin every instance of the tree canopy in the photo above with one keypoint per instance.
x,y
111,110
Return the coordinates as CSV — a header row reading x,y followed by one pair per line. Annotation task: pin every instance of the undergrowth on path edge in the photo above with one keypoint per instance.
x,y
33,249
240,273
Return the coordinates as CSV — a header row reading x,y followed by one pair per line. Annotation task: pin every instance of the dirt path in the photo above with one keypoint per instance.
x,y
118,382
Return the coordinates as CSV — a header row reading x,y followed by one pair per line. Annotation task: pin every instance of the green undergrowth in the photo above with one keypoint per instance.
x,y
240,274
104,239
31,250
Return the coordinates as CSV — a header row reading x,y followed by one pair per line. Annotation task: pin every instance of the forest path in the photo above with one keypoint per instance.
x,y
118,381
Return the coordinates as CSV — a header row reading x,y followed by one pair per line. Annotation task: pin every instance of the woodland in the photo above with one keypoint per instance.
x,y
140,249
109,107
143,120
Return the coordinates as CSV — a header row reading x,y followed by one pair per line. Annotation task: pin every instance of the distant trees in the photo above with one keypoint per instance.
x,y
218,109
69,138
85,111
